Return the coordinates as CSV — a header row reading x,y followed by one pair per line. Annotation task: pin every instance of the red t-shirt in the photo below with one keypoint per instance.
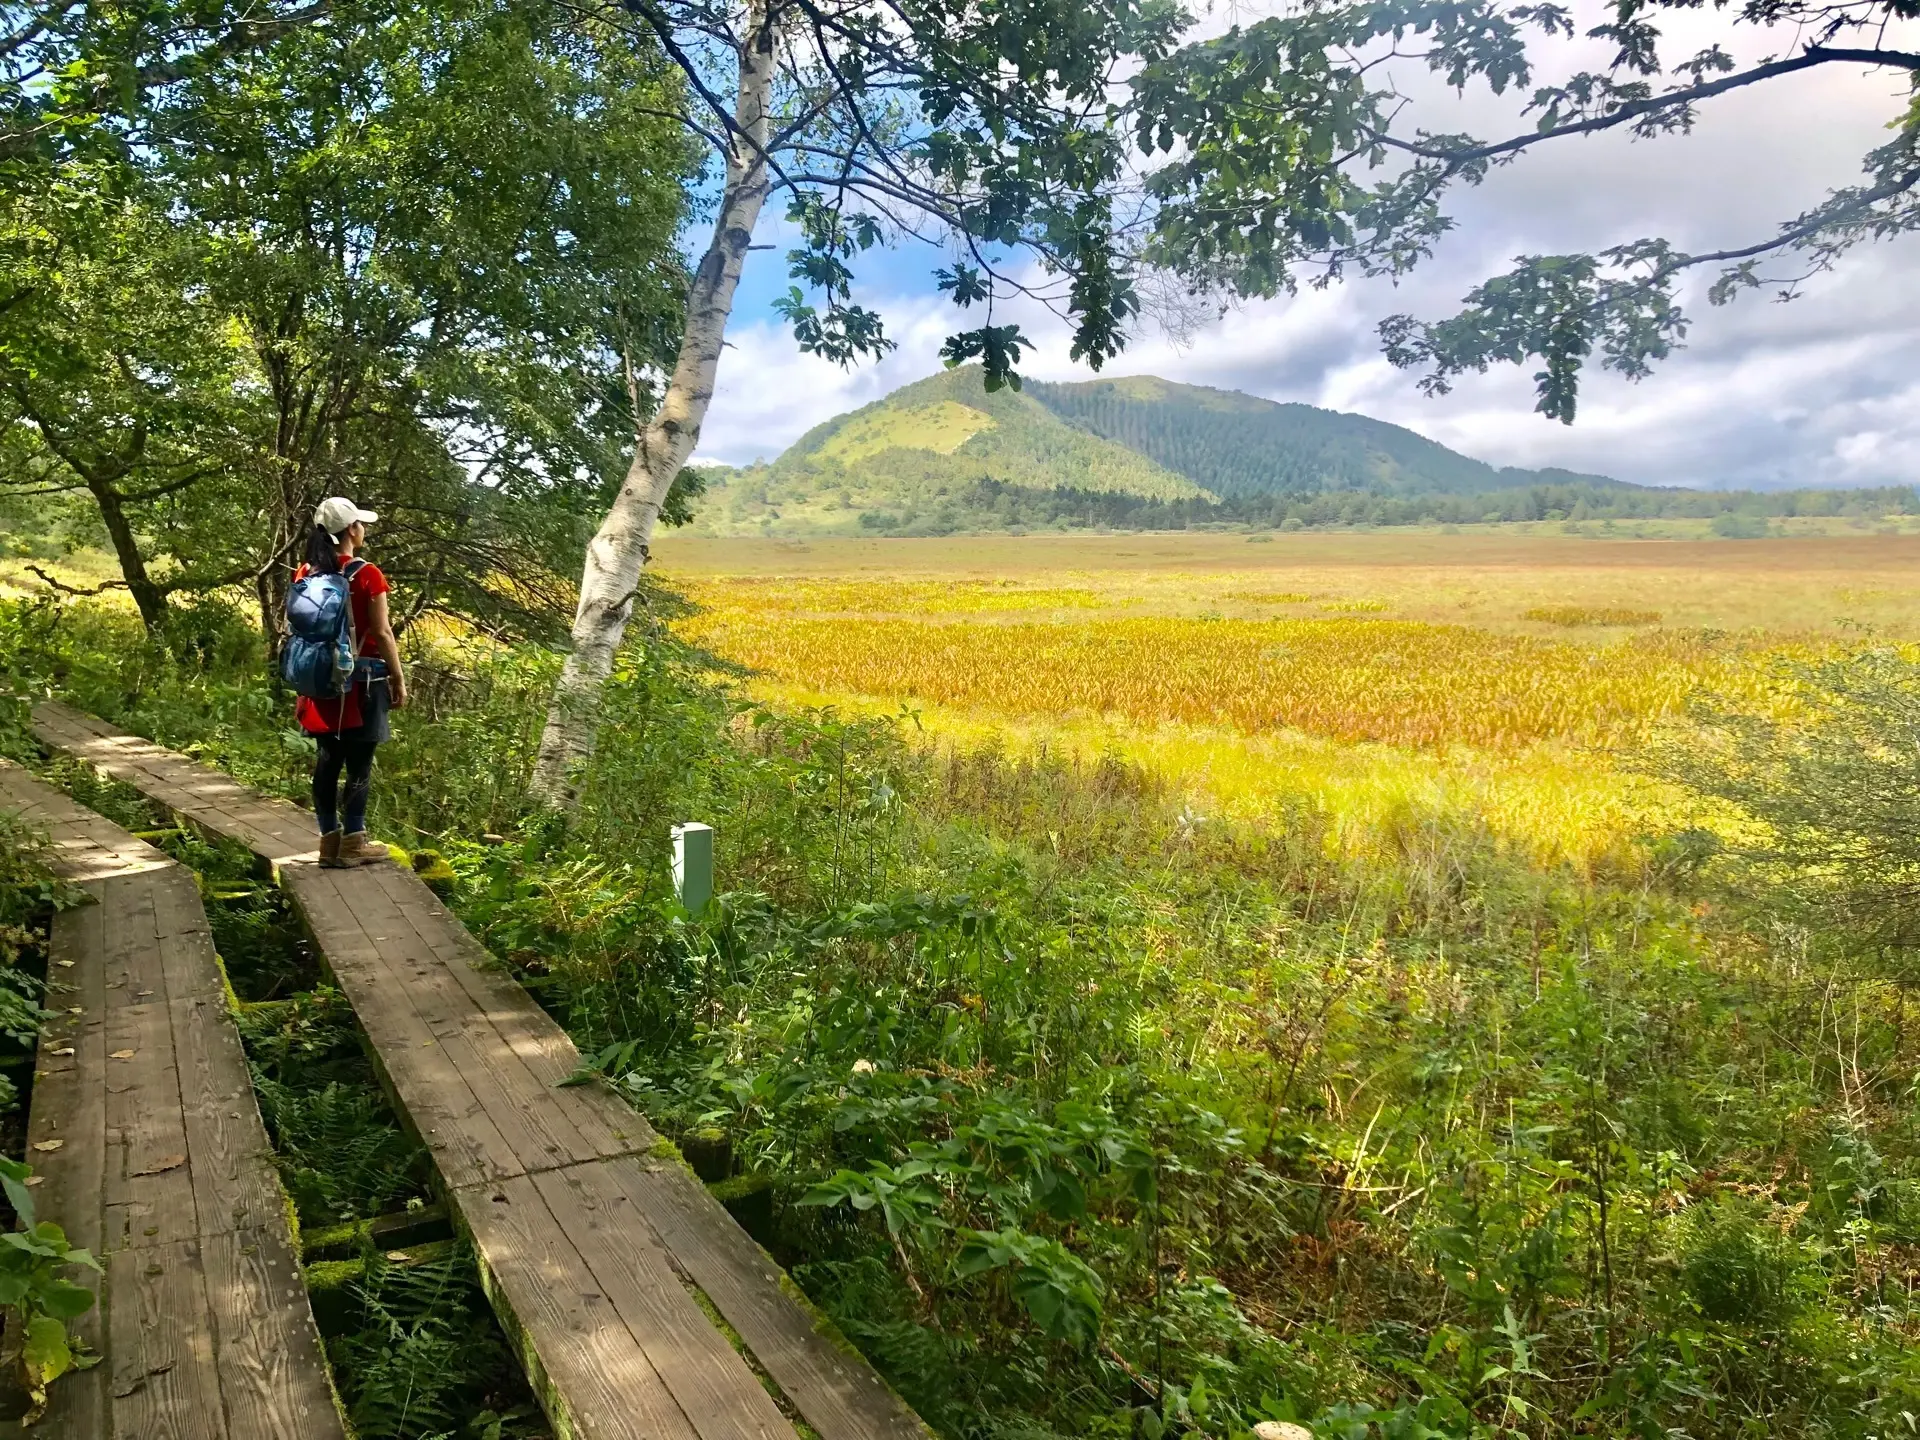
x,y
324,717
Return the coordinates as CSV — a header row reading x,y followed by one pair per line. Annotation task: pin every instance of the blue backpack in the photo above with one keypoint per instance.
x,y
319,656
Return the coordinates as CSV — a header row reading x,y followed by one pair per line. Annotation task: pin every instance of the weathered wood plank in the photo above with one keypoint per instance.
x,y
162,1166
273,1371
586,1362
150,1198
606,1122
439,1101
537,1126
69,1101
836,1392
230,1161
698,1366
272,828
161,1355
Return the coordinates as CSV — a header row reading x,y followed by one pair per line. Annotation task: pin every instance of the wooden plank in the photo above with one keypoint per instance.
x,y
150,1198
163,1167
711,1382
445,1113
273,1372
538,1130
161,1356
230,1165
837,1393
188,968
584,1363
69,1102
132,931
203,795
178,911
605,1121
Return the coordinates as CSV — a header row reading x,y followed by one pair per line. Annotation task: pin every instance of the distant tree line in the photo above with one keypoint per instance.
x,y
993,505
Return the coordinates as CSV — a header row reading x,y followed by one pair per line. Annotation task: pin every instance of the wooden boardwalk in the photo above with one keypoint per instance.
x,y
596,1245
150,1153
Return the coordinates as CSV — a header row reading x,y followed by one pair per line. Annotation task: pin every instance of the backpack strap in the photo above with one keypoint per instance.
x,y
347,572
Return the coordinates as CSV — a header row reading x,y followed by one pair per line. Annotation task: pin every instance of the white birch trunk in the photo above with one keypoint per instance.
x,y
619,550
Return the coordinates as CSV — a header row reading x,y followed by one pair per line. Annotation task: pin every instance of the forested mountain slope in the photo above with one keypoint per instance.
x,y
1239,445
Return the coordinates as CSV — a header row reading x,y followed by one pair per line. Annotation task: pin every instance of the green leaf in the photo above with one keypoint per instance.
x,y
46,1354
65,1300
18,1195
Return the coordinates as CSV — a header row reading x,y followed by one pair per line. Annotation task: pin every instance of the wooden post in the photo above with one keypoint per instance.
x,y
693,865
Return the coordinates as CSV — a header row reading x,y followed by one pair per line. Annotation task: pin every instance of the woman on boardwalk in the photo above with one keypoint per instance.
x,y
349,728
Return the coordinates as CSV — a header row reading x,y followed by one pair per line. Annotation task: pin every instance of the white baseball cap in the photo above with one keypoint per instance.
x,y
337,512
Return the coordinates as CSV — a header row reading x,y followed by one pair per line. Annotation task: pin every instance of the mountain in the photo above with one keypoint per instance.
x,y
942,455
947,430
1237,446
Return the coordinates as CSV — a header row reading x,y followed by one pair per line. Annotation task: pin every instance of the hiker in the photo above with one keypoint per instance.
x,y
348,728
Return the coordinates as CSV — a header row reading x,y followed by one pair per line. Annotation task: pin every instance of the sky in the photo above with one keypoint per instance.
x,y
1824,390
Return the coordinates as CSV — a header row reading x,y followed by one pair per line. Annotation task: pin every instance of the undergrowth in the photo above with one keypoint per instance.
x,y
1085,1115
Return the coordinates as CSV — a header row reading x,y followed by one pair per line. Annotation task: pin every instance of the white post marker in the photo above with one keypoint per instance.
x,y
693,865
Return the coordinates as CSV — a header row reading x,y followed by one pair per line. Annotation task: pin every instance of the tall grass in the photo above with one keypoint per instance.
x,y
1396,682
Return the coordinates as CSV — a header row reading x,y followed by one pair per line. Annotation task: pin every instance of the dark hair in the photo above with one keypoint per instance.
x,y
323,555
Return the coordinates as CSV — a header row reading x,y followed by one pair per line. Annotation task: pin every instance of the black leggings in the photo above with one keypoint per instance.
x,y
356,757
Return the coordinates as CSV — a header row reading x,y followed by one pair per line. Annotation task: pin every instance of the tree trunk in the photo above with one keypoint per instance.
x,y
611,578
147,596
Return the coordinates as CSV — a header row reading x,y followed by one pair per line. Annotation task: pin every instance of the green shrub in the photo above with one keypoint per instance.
x,y
1738,1269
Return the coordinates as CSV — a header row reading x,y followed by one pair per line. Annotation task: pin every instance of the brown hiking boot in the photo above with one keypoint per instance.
x,y
330,850
356,849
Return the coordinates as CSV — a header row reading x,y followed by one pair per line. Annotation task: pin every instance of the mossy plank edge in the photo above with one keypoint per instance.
x,y
552,1403
664,1151
741,1348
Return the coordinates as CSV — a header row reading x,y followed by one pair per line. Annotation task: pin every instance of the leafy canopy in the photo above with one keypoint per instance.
x,y
1062,150
1277,126
422,262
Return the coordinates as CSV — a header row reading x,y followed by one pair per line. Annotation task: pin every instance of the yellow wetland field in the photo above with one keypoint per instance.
x,y
1496,679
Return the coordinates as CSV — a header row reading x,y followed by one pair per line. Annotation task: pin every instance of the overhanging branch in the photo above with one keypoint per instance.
x,y
1456,156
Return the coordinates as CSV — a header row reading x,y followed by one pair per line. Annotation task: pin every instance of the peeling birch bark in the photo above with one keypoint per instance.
x,y
618,552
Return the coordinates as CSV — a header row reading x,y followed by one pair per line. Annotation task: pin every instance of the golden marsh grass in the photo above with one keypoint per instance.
x,y
1490,679
1395,682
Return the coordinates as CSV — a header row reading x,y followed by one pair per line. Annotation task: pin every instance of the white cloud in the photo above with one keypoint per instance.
x,y
1820,391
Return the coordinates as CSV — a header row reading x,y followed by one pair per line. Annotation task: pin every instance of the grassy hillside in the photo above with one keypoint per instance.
x,y
922,457
947,430
1239,446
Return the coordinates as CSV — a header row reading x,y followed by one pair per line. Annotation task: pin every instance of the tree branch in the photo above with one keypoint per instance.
x,y
66,589
1456,156
243,34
